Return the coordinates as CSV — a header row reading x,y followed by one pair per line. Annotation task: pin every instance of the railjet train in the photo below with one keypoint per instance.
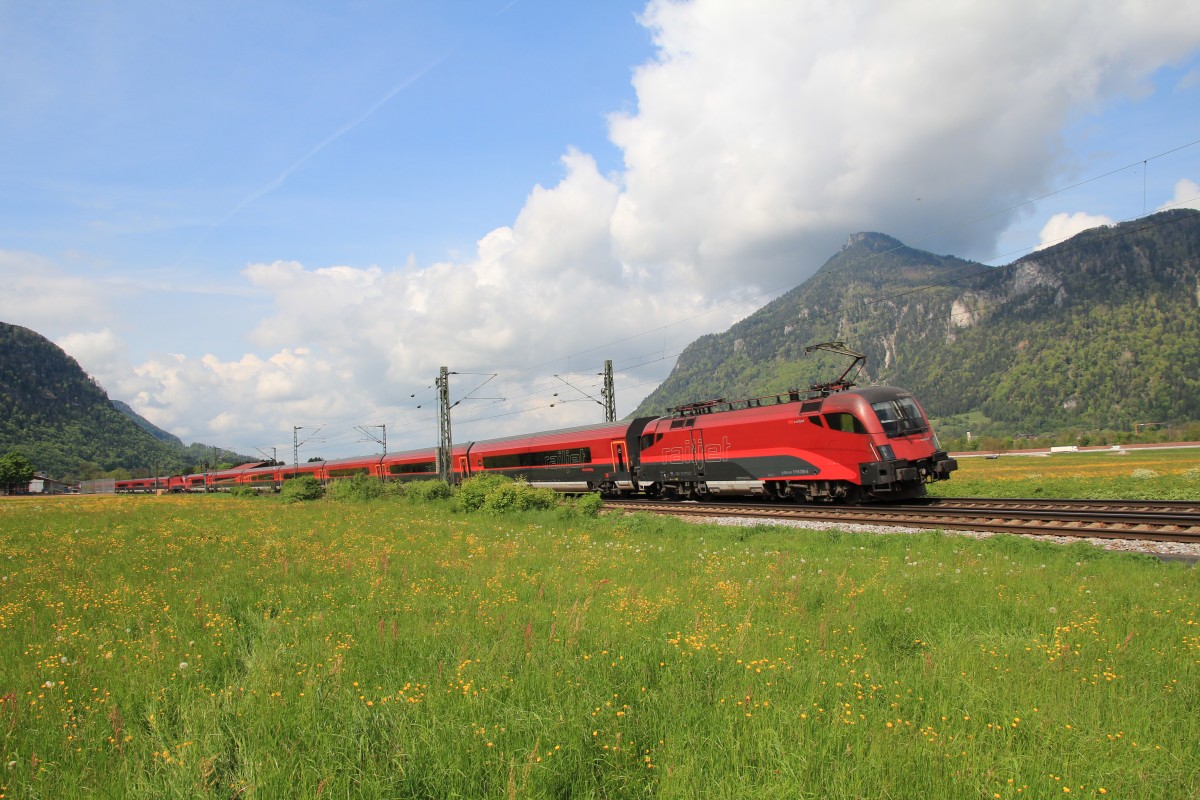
x,y
837,444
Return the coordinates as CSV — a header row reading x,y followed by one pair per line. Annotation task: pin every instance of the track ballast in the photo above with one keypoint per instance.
x,y
1161,521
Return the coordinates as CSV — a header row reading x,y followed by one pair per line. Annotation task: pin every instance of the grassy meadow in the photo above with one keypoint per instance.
x,y
1151,474
227,647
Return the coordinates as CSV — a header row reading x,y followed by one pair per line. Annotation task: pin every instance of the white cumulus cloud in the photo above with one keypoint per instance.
x,y
1187,195
98,352
1061,227
763,135
40,295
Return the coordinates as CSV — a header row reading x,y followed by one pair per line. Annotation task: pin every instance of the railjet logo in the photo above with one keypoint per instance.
x,y
696,450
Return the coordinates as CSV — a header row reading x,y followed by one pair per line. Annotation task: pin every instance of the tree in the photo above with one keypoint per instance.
x,y
15,472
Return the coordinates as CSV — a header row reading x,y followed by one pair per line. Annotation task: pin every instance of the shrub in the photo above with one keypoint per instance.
x,y
425,491
243,491
498,494
590,504
298,489
519,496
585,505
474,490
358,489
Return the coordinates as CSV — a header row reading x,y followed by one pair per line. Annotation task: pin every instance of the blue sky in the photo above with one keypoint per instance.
x,y
245,217
178,147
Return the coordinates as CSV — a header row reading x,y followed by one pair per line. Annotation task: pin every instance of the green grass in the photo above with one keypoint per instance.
x,y
1158,474
221,647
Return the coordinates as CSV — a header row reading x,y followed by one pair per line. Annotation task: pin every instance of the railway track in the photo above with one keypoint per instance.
x,y
1160,521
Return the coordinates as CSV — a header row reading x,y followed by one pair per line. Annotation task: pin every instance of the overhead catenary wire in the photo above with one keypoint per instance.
x,y
916,243
968,271
958,278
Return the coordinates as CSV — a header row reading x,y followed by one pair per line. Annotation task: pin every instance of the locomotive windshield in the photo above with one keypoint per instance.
x,y
900,416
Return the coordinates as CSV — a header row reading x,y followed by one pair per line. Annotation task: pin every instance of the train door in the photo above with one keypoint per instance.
x,y
464,467
698,451
620,466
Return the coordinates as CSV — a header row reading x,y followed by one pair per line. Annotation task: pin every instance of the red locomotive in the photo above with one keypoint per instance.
x,y
839,444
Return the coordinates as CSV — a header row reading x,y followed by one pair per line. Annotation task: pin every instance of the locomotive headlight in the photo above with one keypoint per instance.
x,y
886,453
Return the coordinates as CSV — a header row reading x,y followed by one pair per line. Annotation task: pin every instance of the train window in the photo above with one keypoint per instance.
x,y
900,416
346,473
816,420
409,469
844,422
647,440
543,458
677,424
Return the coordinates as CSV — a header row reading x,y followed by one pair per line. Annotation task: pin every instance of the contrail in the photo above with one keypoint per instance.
x,y
333,137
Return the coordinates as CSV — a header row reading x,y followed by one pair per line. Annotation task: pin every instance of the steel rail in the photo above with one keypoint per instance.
x,y
1032,503
1163,526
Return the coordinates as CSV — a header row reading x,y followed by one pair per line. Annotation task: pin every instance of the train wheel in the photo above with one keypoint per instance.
x,y
853,495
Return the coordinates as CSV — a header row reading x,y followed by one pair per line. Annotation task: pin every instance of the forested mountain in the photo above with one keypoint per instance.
x,y
145,424
62,421
1100,331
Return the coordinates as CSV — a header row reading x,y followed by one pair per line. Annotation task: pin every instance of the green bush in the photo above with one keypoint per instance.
x,y
519,496
359,489
243,491
498,494
298,489
589,505
425,491
473,492
585,505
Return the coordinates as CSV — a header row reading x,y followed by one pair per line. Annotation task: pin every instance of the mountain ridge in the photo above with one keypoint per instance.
x,y
61,419
1100,331
1055,339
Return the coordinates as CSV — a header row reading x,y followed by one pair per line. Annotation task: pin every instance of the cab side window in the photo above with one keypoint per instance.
x,y
844,422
